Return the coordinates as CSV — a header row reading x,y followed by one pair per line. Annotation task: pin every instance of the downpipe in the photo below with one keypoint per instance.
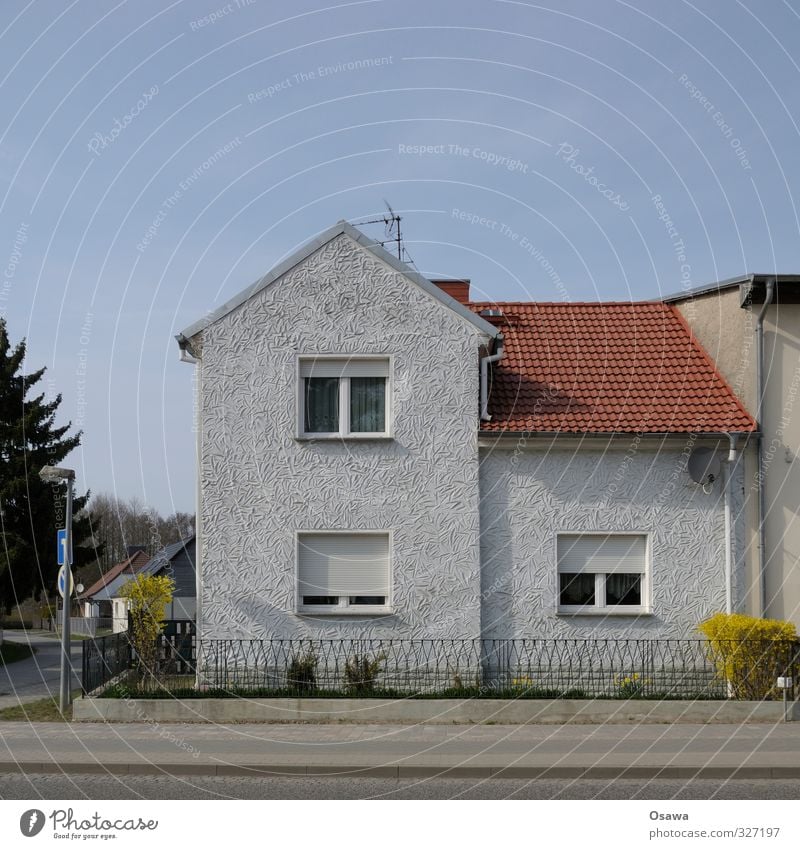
x,y
727,480
188,355
762,544
485,363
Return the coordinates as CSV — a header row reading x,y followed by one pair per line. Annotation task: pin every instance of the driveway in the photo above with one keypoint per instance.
x,y
38,676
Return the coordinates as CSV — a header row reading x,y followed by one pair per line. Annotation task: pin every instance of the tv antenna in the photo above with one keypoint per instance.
x,y
391,228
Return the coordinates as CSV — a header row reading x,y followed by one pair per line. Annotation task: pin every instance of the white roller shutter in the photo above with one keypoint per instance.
x,y
343,564
353,367
604,553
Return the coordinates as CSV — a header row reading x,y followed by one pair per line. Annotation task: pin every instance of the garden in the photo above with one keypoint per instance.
x,y
732,658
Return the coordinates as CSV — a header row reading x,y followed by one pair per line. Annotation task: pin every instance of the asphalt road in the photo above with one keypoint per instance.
x,y
38,676
98,787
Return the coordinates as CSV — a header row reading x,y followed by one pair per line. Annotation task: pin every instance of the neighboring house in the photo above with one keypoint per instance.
x,y
750,326
94,604
380,457
177,561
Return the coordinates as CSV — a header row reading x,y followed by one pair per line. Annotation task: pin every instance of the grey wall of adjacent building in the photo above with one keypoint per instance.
x,y
183,572
782,459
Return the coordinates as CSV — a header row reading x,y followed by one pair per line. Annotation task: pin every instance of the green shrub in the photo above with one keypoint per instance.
x,y
301,674
750,653
361,672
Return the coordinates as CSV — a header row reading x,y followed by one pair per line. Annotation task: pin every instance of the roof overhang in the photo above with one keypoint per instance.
x,y
706,289
347,229
752,289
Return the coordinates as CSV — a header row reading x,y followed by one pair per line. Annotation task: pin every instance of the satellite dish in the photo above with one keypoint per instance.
x,y
703,466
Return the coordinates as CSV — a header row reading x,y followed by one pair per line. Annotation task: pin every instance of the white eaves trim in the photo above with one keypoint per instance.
x,y
342,228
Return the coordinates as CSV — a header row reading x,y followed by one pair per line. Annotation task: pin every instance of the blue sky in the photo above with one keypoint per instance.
x,y
156,158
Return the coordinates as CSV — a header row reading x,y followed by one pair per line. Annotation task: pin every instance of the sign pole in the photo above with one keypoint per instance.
x,y
66,665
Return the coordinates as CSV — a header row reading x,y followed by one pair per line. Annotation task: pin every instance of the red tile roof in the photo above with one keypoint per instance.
x,y
605,368
132,564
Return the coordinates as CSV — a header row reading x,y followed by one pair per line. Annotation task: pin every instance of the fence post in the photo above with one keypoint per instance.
x,y
84,664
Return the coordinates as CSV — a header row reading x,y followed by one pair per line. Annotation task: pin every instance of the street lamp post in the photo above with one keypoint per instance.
x,y
56,474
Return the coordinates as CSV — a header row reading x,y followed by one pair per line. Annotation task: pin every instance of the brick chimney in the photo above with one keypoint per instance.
x,y
458,289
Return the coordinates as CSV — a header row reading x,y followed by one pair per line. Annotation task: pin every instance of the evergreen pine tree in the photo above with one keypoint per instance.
x,y
31,510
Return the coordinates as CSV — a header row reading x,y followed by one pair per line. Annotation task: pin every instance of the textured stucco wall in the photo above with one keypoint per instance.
x,y
259,484
528,496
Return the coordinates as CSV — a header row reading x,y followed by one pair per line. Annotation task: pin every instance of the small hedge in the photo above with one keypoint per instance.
x,y
750,653
12,652
120,691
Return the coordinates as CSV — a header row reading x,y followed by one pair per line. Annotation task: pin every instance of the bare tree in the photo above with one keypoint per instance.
x,y
131,522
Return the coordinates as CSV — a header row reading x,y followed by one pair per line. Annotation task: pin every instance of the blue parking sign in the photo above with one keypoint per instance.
x,y
62,546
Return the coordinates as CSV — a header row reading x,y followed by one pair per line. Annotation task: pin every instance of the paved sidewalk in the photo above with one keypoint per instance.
x,y
608,751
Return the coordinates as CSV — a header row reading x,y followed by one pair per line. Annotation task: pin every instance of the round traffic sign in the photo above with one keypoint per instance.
x,y
62,572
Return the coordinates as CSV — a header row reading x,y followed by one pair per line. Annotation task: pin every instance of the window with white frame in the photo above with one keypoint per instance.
x,y
343,572
602,573
344,396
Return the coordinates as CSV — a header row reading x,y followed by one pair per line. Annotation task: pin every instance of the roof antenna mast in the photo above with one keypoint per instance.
x,y
391,224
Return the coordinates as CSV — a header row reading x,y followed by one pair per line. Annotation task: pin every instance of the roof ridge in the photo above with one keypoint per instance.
x,y
311,246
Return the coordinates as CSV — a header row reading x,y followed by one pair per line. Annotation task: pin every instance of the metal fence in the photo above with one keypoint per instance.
x,y
525,668
104,660
113,658
87,626
177,645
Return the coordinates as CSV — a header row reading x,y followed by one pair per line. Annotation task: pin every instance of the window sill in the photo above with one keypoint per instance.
x,y
339,437
344,611
603,611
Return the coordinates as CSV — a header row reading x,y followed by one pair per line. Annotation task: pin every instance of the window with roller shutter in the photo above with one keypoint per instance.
x,y
343,572
602,573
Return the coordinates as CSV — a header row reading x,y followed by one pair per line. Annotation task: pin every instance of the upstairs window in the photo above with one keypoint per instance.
x,y
343,572
602,573
344,397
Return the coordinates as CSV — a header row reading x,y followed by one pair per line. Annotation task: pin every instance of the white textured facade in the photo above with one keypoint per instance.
x,y
530,495
473,530
260,484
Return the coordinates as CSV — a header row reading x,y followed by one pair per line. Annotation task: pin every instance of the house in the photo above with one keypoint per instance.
x,y
749,326
95,607
177,561
379,456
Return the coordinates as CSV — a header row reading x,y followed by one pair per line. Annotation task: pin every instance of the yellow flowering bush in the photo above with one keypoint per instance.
x,y
524,682
750,653
148,597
